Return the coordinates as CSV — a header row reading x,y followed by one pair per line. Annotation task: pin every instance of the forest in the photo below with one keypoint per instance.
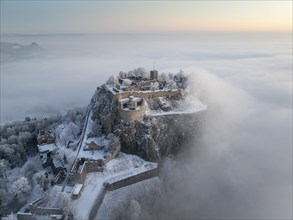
x,y
22,177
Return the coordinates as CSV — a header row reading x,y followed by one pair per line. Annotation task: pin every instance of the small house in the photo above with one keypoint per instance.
x,y
57,166
76,191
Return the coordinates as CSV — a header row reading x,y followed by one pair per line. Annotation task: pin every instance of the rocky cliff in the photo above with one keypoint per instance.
x,y
154,136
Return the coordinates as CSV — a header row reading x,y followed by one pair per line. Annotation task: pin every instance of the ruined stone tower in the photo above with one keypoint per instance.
x,y
154,74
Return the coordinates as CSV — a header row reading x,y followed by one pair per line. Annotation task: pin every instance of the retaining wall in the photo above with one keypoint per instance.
x,y
24,216
45,211
132,179
87,167
119,184
132,115
97,203
145,94
118,149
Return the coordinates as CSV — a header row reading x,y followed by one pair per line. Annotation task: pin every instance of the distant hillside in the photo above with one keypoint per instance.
x,y
11,52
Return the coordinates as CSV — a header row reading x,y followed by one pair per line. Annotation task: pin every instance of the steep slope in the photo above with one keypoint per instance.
x,y
154,136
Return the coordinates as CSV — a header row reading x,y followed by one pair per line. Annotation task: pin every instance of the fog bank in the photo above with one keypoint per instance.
x,y
241,164
241,167
74,65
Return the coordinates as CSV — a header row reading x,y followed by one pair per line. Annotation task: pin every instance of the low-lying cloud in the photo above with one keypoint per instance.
x,y
76,64
241,166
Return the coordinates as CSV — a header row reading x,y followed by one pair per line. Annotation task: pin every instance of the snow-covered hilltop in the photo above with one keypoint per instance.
x,y
133,121
146,111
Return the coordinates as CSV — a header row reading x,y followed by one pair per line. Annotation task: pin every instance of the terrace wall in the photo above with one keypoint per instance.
x,y
146,94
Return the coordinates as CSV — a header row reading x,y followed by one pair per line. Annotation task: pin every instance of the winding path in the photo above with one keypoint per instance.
x,y
80,141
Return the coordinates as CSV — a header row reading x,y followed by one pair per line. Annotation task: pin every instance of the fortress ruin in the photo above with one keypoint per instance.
x,y
132,92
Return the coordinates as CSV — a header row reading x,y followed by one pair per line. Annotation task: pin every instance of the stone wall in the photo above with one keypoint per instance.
x,y
118,184
133,179
24,216
117,150
98,202
145,94
132,115
36,209
45,211
41,201
87,167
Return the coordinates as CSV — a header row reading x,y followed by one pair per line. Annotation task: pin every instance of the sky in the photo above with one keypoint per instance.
x,y
50,17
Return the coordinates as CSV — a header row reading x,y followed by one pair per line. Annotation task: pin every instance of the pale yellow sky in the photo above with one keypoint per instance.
x,y
144,16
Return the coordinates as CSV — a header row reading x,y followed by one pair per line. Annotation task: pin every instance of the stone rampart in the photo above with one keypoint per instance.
x,y
35,208
132,179
119,184
87,167
41,201
45,211
145,94
24,216
77,176
114,154
97,203
132,115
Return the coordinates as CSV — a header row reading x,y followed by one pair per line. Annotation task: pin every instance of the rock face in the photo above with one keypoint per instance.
x,y
104,110
153,137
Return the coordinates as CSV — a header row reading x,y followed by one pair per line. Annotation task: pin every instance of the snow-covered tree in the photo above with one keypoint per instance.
x,y
24,137
171,75
11,131
57,199
163,77
113,80
31,166
141,72
65,155
20,188
122,75
13,139
42,180
73,129
131,73
3,202
66,132
155,86
127,82
170,84
180,74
